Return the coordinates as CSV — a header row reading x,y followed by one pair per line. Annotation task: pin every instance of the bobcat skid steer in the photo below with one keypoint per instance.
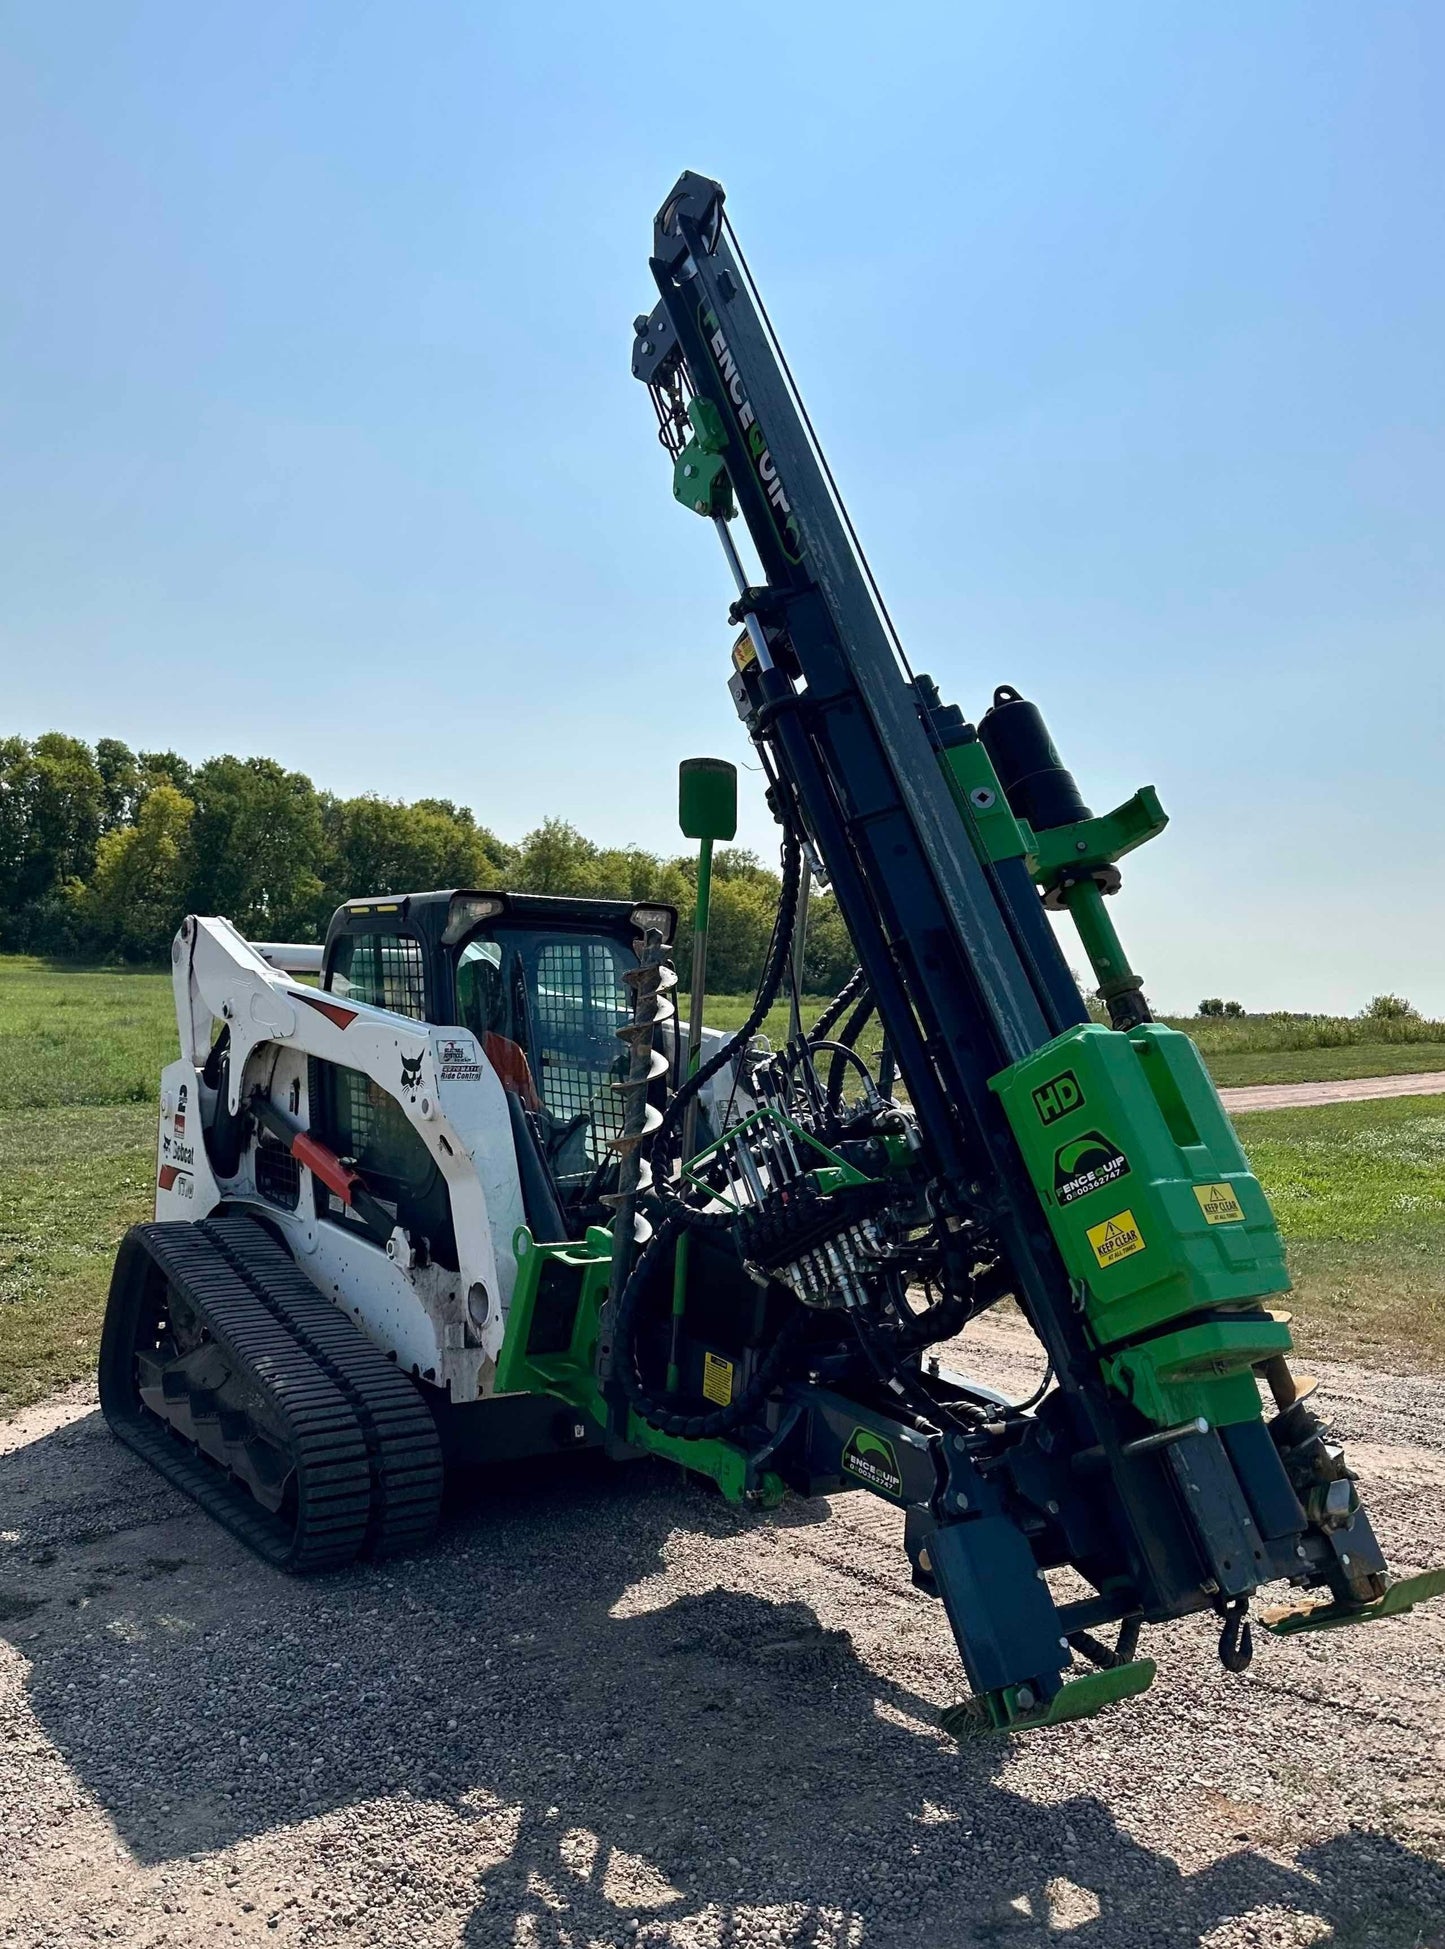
x,y
349,1180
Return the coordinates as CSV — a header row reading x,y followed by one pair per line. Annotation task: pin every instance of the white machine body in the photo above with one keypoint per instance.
x,y
443,1325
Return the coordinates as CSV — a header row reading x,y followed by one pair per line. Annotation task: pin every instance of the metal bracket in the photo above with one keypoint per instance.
x,y
1287,1620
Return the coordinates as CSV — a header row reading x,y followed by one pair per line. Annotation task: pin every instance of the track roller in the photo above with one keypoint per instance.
x,y
224,1367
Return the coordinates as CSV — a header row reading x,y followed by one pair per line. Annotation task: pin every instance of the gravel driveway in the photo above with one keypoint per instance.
x,y
606,1708
1348,1089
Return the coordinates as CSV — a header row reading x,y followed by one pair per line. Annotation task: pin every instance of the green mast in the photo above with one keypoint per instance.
x,y
707,810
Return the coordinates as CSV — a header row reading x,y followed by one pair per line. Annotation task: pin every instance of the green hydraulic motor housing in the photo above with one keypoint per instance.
x,y
1158,1218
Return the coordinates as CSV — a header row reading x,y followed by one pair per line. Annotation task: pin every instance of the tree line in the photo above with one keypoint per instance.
x,y
103,851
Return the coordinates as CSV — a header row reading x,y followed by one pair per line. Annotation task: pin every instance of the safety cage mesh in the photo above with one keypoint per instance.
x,y
581,1002
385,970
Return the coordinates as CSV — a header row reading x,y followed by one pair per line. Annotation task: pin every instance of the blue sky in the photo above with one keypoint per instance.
x,y
1122,326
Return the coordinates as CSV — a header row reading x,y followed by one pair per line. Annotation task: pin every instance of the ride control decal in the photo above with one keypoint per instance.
x,y
717,1379
1219,1204
1117,1238
458,1059
1086,1164
1058,1097
872,1460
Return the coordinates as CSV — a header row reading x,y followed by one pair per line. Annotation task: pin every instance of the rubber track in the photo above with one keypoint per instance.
x,y
323,1435
402,1446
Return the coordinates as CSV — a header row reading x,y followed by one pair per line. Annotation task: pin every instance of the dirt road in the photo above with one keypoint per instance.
x,y
608,1709
1354,1089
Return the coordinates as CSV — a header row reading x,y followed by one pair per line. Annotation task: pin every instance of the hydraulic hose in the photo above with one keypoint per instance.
x,y
659,1152
848,1035
678,1214
651,1407
846,995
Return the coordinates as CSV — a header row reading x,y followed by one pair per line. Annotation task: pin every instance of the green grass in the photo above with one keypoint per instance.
x,y
1252,1049
1235,1068
83,1036
80,1059
71,1180
1360,1187
1359,1191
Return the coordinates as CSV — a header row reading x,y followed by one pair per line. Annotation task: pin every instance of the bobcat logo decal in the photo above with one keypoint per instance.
x,y
411,1075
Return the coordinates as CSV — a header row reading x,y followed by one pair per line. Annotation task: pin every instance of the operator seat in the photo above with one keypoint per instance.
x,y
481,1006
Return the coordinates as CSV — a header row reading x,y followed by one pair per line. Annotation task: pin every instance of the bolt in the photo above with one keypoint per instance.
x,y
1024,1696
1052,1507
925,1562
1081,845
1344,1559
689,470
701,506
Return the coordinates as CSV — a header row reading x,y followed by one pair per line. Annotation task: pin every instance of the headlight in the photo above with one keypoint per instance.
x,y
466,910
653,920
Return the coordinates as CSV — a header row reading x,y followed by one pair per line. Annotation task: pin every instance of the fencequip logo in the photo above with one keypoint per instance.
x,y
790,536
1058,1097
872,1460
1085,1164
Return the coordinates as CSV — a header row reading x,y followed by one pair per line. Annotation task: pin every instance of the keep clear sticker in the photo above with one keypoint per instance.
x,y
1117,1238
1219,1204
717,1379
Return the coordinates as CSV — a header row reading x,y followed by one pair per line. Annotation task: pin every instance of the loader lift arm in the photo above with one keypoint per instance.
x,y
1149,1467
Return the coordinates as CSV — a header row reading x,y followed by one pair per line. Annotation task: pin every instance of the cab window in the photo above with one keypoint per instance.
x,y
385,970
547,1006
363,1124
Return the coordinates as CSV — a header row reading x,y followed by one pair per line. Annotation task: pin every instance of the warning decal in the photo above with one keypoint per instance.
x,y
1117,1238
1219,1204
1088,1163
717,1379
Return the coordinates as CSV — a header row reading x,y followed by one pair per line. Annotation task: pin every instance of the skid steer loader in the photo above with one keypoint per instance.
x,y
473,1194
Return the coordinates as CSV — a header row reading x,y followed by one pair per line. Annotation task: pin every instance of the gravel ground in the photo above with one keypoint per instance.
x,y
605,1708
1352,1089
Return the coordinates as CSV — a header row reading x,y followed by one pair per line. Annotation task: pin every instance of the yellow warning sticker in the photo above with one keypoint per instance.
x,y
1219,1204
1117,1238
717,1379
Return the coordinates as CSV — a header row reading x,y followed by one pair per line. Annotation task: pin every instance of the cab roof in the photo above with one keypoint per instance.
x,y
444,914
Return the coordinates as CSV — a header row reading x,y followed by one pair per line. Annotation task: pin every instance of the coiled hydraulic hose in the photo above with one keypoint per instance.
x,y
659,1153
679,1215
848,993
847,1036
651,1407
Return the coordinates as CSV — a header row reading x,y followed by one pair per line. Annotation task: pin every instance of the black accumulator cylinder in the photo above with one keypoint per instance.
x,y
1035,780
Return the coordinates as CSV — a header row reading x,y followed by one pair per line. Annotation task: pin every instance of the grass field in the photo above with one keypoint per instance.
x,y
1360,1187
1255,1049
80,1061
1359,1191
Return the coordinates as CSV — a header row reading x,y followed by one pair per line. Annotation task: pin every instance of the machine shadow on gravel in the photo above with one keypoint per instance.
x,y
738,1752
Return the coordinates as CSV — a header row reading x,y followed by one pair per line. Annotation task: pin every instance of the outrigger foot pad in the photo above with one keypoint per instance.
x,y
1403,1595
1080,1698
